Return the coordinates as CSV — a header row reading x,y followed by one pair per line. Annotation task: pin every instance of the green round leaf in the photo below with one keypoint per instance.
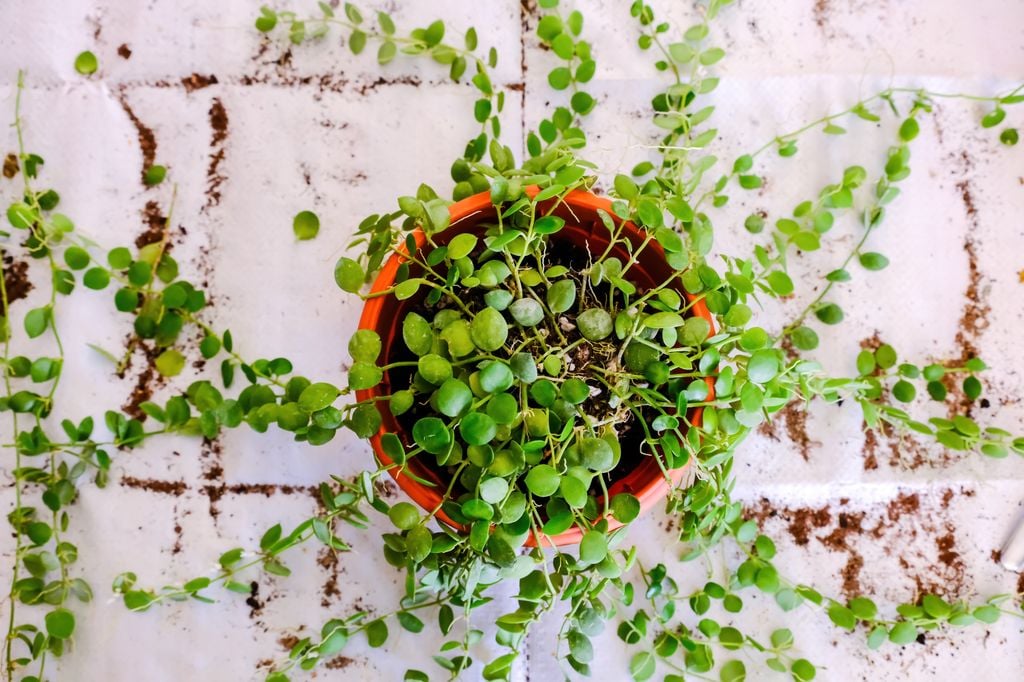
x,y
829,313
363,375
803,670
561,296
434,368
594,324
493,490
873,261
477,510
453,397
503,408
904,632
348,275
119,258
170,363
60,623
625,507
597,454
431,434
763,366
496,377
461,246
542,480
733,671
477,428
804,338
593,547
97,278
306,225
364,346
76,257
404,515
317,396
86,63
574,391
418,543
904,391
526,312
574,491
544,393
489,330
417,334
154,175
36,321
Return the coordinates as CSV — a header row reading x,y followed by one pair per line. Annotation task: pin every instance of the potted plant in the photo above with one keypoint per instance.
x,y
535,371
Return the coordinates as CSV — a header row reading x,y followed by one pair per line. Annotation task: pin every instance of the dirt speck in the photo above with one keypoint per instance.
x,y
198,81
288,642
10,165
214,178
367,88
253,600
821,12
794,418
145,381
328,560
147,140
175,488
16,280
123,51
918,530
339,663
155,226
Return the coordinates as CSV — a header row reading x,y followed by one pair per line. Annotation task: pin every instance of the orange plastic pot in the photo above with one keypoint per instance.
x,y
383,315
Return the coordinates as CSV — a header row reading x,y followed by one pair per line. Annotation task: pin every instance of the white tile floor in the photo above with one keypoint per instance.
x,y
345,153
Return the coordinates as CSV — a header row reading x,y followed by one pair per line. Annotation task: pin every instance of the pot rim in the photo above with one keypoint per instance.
x,y
650,491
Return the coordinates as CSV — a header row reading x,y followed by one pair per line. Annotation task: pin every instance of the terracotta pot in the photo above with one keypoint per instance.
x,y
583,227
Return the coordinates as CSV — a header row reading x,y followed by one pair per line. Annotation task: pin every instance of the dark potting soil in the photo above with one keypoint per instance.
x,y
601,354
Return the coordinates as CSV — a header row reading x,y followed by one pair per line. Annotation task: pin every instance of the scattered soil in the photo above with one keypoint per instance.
x,y
870,449
253,600
821,11
215,492
147,140
385,489
178,536
146,380
974,316
156,226
198,82
123,51
366,88
288,642
872,343
899,526
214,179
339,663
328,560
10,165
793,417
909,504
803,520
16,280
176,488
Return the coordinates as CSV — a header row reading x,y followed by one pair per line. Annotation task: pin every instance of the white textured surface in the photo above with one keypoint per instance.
x,y
345,145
